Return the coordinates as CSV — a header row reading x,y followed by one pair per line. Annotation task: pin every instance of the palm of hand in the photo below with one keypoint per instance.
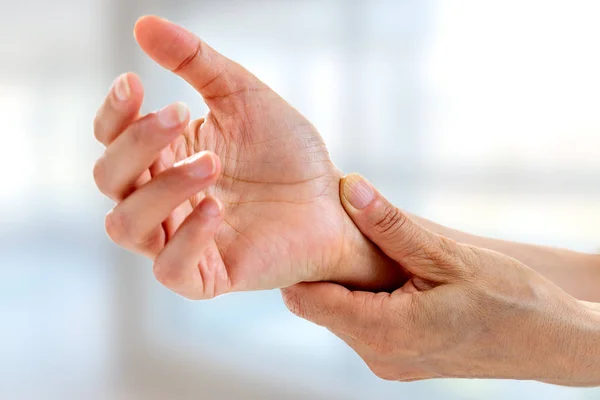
x,y
283,219
284,222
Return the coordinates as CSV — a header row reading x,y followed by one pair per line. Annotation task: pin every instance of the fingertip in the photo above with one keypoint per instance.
x,y
144,28
127,91
212,207
174,115
165,42
204,164
357,191
135,84
144,23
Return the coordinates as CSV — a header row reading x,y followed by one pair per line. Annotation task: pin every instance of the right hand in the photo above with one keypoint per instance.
x,y
278,193
466,312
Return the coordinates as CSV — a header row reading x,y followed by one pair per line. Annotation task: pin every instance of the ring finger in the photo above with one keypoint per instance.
x,y
136,222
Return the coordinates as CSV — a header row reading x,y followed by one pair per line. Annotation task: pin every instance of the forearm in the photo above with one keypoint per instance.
x,y
580,365
576,273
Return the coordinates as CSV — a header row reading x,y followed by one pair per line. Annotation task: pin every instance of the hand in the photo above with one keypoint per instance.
x,y
576,273
464,312
278,191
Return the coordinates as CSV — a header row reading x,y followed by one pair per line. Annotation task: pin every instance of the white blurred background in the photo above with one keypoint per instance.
x,y
482,115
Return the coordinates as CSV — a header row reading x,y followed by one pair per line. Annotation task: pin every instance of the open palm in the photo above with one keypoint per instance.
x,y
283,219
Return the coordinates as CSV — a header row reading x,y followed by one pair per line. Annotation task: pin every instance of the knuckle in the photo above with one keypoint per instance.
x,y
446,255
99,173
171,273
168,272
196,53
99,127
448,249
194,129
121,230
390,221
151,242
471,259
105,183
437,255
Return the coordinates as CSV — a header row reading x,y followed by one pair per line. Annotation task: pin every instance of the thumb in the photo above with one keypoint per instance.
x,y
213,75
421,252
335,307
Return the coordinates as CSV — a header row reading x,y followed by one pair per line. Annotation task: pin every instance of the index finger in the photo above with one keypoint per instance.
x,y
334,307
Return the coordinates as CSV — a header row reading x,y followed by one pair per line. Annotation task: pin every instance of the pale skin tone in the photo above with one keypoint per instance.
x,y
247,198
576,273
466,312
258,162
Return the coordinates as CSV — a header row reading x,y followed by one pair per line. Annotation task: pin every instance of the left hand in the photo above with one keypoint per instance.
x,y
278,219
465,312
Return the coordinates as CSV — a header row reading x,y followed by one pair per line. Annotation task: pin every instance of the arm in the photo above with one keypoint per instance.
x,y
576,273
466,312
581,354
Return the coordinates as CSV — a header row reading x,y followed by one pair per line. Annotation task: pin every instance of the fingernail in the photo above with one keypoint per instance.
x,y
211,207
358,191
173,115
203,165
122,88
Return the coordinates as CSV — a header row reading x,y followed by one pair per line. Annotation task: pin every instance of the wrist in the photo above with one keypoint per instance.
x,y
363,266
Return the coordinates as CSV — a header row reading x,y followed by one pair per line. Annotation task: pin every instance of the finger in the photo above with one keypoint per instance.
x,y
421,252
134,151
135,223
334,307
120,108
189,264
213,75
179,150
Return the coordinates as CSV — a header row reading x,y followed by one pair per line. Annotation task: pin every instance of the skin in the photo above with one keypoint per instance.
x,y
465,312
277,171
269,216
256,159
576,273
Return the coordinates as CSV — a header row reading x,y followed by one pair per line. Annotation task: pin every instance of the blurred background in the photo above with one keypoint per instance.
x,y
481,115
